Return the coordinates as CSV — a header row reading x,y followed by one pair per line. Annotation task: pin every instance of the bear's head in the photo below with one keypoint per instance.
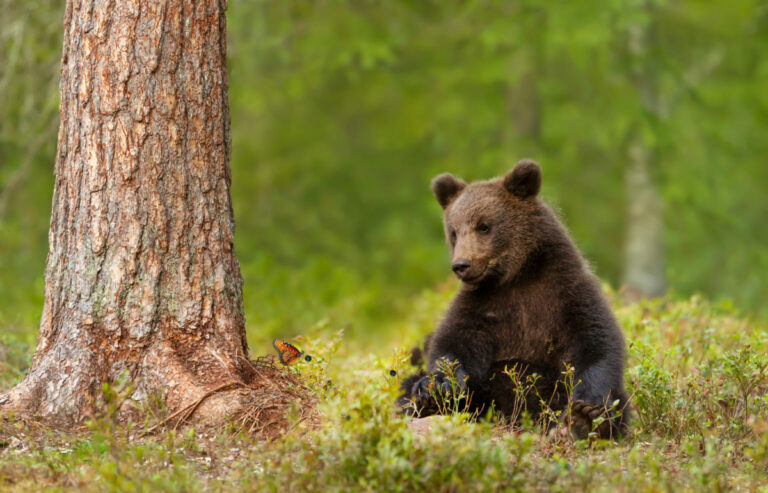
x,y
490,225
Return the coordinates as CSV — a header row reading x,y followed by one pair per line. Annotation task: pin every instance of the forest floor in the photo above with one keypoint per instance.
x,y
698,374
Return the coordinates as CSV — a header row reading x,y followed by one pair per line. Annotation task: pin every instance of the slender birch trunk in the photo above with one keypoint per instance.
x,y
644,261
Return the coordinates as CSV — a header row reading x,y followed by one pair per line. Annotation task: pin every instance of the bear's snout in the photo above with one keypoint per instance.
x,y
469,271
461,267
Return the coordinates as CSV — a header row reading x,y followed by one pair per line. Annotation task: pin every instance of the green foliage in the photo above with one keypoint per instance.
x,y
342,111
710,379
30,51
14,358
697,374
357,135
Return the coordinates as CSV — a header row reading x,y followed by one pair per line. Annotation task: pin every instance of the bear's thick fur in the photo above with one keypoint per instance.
x,y
528,301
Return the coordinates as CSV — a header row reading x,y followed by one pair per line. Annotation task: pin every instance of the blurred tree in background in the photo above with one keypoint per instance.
x,y
649,119
30,53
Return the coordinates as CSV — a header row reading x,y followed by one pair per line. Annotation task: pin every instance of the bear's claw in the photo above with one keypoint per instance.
x,y
583,415
422,397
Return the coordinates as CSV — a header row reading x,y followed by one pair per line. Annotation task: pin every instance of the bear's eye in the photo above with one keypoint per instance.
x,y
483,228
453,237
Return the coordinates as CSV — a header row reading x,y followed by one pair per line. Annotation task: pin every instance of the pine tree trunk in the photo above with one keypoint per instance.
x,y
141,279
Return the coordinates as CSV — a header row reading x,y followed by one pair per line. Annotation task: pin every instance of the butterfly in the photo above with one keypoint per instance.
x,y
289,354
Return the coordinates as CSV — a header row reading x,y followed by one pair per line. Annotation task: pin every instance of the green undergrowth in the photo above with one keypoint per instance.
x,y
698,375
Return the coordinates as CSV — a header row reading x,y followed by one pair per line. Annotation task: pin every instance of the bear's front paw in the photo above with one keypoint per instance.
x,y
583,416
422,399
427,393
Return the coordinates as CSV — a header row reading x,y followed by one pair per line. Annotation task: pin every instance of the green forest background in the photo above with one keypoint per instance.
x,y
342,111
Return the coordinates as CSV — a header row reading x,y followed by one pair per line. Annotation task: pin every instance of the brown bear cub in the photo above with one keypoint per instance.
x,y
528,301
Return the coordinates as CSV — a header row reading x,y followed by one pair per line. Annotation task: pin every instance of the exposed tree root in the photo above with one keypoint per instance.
x,y
272,400
278,399
190,409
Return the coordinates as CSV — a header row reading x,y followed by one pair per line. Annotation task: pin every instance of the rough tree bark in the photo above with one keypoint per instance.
x,y
141,279
644,261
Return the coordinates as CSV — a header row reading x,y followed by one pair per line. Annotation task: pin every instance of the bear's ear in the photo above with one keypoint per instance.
x,y
446,187
525,180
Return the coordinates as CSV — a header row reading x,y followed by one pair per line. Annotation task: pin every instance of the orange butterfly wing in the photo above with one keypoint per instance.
x,y
289,354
